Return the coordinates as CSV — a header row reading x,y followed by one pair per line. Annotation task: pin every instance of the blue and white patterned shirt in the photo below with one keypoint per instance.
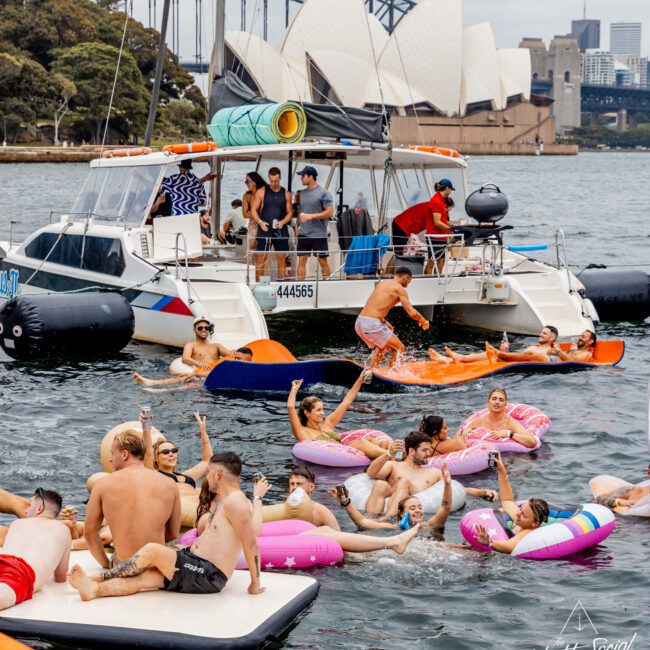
x,y
186,192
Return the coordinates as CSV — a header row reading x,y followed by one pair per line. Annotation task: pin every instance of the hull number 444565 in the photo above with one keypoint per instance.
x,y
295,290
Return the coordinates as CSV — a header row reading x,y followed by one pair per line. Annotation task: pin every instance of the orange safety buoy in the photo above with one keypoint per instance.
x,y
452,153
191,147
122,153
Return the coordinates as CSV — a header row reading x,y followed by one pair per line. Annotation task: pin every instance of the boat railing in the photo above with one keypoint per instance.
x,y
561,257
85,217
184,259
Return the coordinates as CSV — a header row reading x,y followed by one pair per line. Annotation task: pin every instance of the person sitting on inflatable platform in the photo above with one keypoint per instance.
x,y
527,517
545,350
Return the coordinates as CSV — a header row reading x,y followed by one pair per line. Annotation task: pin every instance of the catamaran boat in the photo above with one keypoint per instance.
x,y
170,278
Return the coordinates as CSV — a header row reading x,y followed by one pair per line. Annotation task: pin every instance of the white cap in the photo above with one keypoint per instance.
x,y
202,319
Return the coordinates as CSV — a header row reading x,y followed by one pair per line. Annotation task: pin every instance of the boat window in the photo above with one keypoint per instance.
x,y
394,202
98,254
118,192
357,189
413,186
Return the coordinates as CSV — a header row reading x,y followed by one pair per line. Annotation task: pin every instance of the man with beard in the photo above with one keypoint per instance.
x,y
583,350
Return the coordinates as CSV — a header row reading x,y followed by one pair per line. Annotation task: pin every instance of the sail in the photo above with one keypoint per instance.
x,y
337,122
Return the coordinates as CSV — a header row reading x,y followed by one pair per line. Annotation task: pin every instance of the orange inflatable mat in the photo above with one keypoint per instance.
x,y
430,373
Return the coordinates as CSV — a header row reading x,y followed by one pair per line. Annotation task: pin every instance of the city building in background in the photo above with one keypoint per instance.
x,y
598,68
625,38
556,74
587,33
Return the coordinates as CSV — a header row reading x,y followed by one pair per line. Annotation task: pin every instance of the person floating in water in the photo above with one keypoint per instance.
x,y
371,324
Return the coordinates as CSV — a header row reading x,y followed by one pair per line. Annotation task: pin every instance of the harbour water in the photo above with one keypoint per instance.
x,y
54,416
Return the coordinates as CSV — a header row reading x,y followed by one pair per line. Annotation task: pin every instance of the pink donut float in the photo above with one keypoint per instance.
x,y
282,546
532,419
566,532
334,454
467,461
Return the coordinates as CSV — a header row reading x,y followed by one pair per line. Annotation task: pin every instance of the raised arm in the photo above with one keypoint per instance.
x,y
440,518
337,415
294,420
380,468
412,311
236,510
505,490
201,468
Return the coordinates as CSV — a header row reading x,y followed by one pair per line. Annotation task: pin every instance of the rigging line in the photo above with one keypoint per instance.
x,y
117,69
374,58
408,85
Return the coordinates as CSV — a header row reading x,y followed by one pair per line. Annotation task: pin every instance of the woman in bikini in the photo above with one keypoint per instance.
x,y
165,461
499,423
311,423
435,426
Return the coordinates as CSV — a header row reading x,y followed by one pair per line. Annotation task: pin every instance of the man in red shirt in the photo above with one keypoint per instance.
x,y
437,225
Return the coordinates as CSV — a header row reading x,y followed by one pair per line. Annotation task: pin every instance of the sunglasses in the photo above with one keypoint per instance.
x,y
247,182
40,493
203,328
165,452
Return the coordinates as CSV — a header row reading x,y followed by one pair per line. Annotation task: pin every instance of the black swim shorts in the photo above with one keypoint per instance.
x,y
195,575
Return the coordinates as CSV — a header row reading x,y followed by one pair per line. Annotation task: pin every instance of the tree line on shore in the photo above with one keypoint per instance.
x,y
57,66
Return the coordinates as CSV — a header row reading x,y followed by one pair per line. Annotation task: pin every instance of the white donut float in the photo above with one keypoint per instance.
x,y
360,485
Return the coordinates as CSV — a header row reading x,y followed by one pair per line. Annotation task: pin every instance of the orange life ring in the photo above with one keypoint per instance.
x,y
452,153
191,147
122,153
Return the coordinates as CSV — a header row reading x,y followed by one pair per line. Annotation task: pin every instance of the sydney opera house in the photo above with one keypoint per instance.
x,y
440,82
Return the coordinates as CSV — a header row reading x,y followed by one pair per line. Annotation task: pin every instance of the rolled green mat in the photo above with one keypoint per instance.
x,y
253,124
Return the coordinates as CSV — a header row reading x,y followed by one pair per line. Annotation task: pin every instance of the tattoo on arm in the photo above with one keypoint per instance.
x,y
127,569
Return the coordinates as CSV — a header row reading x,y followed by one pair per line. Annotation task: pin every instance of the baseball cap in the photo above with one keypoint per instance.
x,y
202,319
308,170
445,182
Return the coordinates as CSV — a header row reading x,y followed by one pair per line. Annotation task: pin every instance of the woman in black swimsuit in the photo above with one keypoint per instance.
x,y
165,460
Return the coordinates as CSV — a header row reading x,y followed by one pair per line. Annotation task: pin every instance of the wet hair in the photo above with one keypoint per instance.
x,y
552,329
53,500
245,351
432,425
257,179
593,337
304,472
540,510
403,270
156,446
498,390
275,171
305,408
229,460
415,439
401,506
236,203
131,441
206,496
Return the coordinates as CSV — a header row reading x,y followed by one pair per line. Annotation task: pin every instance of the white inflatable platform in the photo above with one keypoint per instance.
x,y
159,619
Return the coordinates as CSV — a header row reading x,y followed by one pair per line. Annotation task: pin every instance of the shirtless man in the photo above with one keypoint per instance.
x,y
582,350
623,498
542,351
200,353
35,549
301,477
398,480
527,517
140,505
206,567
371,324
241,354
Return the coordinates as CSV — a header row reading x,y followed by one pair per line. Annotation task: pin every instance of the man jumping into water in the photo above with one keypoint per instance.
x,y
371,324
543,351
35,549
207,566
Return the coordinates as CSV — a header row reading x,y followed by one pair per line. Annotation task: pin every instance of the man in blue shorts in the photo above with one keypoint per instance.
x,y
271,208
316,209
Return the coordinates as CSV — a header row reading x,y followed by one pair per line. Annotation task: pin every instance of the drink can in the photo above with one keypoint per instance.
x,y
399,455
367,377
146,412
492,459
275,224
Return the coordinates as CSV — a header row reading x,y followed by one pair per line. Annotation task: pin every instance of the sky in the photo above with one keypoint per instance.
x,y
511,20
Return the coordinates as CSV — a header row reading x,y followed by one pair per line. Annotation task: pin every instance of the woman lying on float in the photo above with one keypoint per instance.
x,y
311,423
